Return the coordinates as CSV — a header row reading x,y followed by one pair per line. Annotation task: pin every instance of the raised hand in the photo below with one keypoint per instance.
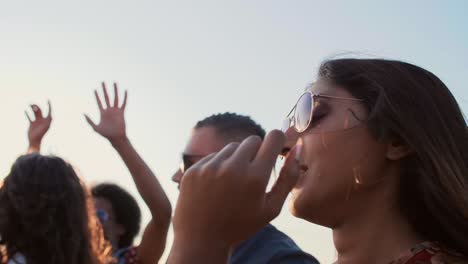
x,y
38,127
112,123
223,198
112,127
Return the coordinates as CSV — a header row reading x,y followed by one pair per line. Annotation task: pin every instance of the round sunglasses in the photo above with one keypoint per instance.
x,y
301,115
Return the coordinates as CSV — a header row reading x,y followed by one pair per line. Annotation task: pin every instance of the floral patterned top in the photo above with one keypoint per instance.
x,y
430,253
128,256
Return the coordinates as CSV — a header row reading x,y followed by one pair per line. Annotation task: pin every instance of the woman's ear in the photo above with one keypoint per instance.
x,y
397,149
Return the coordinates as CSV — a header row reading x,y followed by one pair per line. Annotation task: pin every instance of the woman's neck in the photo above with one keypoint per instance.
x,y
377,233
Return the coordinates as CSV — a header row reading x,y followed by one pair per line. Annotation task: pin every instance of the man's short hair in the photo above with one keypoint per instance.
x,y
232,126
126,209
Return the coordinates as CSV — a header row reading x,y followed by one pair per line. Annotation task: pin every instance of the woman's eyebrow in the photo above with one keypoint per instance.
x,y
322,100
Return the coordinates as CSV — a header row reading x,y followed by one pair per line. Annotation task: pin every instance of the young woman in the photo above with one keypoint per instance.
x,y
47,215
381,159
117,209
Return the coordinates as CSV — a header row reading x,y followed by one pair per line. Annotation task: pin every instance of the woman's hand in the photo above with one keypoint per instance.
x,y
223,198
112,123
38,127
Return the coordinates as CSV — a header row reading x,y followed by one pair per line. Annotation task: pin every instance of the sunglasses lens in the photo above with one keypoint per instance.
x,y
302,115
286,124
182,167
186,163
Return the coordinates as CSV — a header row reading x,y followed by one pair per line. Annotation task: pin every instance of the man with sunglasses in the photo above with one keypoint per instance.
x,y
210,135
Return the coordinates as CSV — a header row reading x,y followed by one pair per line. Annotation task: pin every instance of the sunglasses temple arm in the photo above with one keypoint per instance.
x,y
340,98
291,111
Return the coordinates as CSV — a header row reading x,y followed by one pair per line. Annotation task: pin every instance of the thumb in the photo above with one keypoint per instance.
x,y
284,184
90,122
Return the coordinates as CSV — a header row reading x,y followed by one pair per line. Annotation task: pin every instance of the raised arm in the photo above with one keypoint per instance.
x,y
112,127
38,127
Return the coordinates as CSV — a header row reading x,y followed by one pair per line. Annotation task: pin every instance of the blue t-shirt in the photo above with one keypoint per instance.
x,y
270,245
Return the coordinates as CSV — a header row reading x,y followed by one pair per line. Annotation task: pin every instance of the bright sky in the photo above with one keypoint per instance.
x,y
183,60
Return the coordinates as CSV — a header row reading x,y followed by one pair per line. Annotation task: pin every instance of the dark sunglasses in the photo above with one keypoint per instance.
x,y
187,161
301,115
102,215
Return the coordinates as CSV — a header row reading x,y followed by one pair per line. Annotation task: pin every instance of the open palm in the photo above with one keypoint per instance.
x,y
39,126
112,123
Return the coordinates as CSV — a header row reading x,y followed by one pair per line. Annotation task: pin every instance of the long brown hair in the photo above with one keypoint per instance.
x,y
47,215
411,104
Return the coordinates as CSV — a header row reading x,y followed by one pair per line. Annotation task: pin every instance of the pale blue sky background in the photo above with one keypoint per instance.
x,y
184,60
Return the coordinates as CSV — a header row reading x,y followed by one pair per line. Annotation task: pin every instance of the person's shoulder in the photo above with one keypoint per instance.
x,y
271,236
287,251
293,258
269,245
18,258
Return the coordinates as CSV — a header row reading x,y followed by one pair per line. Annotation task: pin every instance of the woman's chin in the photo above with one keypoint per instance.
x,y
295,202
300,206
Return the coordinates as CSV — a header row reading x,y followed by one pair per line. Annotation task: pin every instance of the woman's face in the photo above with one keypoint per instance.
x,y
112,230
340,159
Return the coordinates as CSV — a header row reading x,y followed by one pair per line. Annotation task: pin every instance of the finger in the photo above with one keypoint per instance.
x,y
27,116
49,114
116,95
268,152
201,162
106,96
90,122
284,184
189,174
247,150
225,153
124,104
291,138
37,111
98,100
